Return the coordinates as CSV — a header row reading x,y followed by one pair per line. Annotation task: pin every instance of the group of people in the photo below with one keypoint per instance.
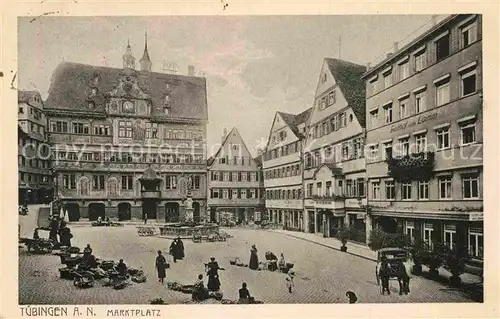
x,y
57,228
177,249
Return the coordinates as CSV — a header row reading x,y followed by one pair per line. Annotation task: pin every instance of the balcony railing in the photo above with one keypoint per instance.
x,y
418,166
331,197
150,194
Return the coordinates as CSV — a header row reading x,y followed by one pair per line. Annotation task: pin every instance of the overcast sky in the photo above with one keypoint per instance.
x,y
254,65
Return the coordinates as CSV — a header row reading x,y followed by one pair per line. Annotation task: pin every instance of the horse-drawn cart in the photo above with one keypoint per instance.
x,y
399,263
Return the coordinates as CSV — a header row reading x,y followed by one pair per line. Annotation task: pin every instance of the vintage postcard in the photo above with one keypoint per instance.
x,y
268,160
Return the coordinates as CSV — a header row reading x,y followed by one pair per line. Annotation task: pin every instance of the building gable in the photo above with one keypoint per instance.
x,y
233,145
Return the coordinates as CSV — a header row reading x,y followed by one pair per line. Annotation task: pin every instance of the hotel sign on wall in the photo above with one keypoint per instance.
x,y
414,121
476,216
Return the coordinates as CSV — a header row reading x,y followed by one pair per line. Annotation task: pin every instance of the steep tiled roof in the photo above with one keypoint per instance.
x,y
348,77
293,121
25,96
71,83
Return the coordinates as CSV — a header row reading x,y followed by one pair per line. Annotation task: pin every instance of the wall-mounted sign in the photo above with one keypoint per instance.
x,y
412,122
476,216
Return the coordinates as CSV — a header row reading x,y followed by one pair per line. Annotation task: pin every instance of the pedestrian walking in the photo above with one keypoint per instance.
x,y
145,218
161,266
290,284
213,275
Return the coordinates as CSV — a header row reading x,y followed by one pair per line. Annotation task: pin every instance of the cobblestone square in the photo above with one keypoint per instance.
x,y
323,275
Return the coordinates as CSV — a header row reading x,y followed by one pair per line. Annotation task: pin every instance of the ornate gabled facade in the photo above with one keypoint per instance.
x,y
35,176
235,182
283,170
334,164
128,142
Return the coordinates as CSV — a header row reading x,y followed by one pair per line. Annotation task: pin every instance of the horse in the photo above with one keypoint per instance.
x,y
403,277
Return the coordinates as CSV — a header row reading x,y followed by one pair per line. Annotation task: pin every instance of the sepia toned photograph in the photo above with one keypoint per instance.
x,y
319,159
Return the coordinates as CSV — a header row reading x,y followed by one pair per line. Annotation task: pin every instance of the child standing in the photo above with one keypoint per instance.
x,y
289,281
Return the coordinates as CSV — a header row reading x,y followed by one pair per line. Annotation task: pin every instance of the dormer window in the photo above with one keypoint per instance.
x,y
93,92
166,110
91,105
167,99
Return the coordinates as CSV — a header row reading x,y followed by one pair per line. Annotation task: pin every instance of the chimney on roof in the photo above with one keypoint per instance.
x,y
190,70
388,55
367,65
395,48
434,20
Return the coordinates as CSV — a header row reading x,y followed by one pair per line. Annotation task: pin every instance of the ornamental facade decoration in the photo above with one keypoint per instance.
x,y
412,167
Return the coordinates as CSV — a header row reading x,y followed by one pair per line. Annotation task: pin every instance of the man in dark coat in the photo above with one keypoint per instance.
x,y
180,248
121,268
54,227
174,250
385,274
161,266
66,236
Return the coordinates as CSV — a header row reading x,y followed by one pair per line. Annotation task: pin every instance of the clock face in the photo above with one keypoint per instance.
x,y
128,106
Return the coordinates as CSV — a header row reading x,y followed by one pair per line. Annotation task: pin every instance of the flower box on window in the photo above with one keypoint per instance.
x,y
418,166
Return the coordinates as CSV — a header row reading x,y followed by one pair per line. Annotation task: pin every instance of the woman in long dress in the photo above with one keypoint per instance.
x,y
161,266
254,259
213,275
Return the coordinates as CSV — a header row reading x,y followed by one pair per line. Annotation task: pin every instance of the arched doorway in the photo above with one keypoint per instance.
x,y
172,212
196,212
97,210
124,211
73,211
149,207
387,224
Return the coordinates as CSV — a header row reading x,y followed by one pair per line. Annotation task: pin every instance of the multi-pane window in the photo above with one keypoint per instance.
x,y
127,182
331,97
444,185
420,143
387,150
361,187
423,190
225,177
428,230
125,129
80,128
309,190
319,190
443,47
171,181
476,242
388,113
98,181
375,190
467,134
387,80
468,34
69,181
196,182
101,129
252,193
328,188
404,70
470,186
234,193
151,130
468,83
404,145
450,235
373,152
390,190
443,138
442,93
403,108
59,126
406,190
253,176
410,230
374,116
419,61
420,102
342,118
